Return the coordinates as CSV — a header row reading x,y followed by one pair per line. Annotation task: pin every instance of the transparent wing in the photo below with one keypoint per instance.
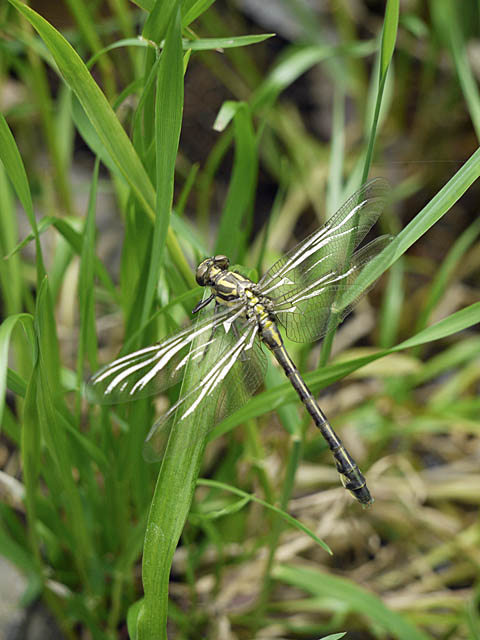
x,y
306,284
306,311
231,371
155,368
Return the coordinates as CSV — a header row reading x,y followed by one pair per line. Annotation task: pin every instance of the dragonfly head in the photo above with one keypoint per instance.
x,y
209,268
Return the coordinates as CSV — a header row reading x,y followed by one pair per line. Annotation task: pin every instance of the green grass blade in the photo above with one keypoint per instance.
x,y
447,14
192,10
104,121
296,62
6,329
446,270
171,502
12,161
360,601
159,19
87,348
206,44
168,119
389,35
280,512
236,217
424,220
11,277
96,106
392,306
49,405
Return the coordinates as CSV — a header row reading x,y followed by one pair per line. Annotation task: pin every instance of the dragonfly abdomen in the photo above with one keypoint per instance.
x,y
352,478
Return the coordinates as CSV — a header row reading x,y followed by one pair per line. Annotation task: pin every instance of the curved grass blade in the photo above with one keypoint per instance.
x,y
324,585
203,482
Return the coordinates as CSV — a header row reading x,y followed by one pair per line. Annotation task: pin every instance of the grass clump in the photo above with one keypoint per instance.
x,y
208,135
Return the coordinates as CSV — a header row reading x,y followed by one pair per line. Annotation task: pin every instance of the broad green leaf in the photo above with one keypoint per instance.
x,y
172,498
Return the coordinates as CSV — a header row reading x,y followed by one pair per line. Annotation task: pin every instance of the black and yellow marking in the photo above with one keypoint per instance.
x,y
230,288
351,476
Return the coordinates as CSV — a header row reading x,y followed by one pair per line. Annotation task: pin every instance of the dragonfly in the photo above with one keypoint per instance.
x,y
308,292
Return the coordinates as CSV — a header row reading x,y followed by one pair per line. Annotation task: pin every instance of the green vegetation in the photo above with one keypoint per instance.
x,y
207,134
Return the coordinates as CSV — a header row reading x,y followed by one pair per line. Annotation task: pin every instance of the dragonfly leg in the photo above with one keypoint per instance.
x,y
203,303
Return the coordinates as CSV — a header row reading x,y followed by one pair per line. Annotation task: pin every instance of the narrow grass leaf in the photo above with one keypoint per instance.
x,y
92,451
6,329
447,15
206,44
392,306
13,164
192,10
359,600
235,222
458,321
168,120
160,19
43,224
11,272
147,5
226,114
16,383
172,499
96,106
31,455
296,61
421,223
248,496
87,348
16,553
215,514
12,161
389,35
49,403
91,138
107,126
446,270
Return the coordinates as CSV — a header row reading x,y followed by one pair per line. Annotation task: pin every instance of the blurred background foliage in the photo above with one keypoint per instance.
x,y
274,137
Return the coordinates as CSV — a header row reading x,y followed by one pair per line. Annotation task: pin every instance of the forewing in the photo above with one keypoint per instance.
x,y
155,368
328,250
309,282
230,372
307,311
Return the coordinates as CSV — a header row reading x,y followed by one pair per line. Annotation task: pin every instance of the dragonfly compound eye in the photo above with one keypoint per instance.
x,y
202,275
222,261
